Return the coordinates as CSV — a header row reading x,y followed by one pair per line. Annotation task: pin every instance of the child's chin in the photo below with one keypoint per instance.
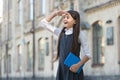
x,y
65,25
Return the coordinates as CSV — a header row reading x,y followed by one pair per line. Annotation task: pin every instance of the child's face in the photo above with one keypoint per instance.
x,y
68,20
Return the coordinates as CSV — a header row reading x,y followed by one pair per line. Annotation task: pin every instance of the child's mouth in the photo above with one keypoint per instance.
x,y
65,22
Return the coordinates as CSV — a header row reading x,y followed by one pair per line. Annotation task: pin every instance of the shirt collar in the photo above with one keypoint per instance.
x,y
68,31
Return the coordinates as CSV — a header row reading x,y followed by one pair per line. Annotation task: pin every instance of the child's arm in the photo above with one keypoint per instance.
x,y
85,48
51,16
57,13
74,68
85,52
84,44
45,23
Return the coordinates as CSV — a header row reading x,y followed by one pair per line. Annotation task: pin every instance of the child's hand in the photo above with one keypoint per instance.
x,y
60,13
74,68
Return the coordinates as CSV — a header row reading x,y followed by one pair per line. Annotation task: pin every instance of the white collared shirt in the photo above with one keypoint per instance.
x,y
82,37
69,31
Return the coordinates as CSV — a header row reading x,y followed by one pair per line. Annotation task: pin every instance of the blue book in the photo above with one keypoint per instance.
x,y
72,59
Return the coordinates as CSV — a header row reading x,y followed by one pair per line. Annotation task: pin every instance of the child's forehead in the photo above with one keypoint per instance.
x,y
66,14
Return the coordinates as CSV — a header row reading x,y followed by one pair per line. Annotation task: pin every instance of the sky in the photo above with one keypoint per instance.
x,y
1,9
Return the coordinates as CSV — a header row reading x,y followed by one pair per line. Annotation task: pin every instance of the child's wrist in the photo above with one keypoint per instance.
x,y
55,13
79,64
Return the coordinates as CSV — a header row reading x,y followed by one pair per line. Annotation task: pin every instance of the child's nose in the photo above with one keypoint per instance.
x,y
65,20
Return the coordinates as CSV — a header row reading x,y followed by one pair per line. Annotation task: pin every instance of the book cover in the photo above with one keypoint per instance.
x,y
72,59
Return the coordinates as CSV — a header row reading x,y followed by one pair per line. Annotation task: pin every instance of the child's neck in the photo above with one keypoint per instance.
x,y
68,28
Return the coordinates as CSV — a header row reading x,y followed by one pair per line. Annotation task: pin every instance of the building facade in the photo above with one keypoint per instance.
x,y
28,49
23,38
103,17
0,45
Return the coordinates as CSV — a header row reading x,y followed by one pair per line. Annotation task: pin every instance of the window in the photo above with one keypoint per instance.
x,y
5,64
98,53
71,5
5,6
43,7
47,47
31,10
55,47
41,51
20,15
0,37
110,36
19,52
119,40
5,33
9,4
29,57
9,31
9,63
40,7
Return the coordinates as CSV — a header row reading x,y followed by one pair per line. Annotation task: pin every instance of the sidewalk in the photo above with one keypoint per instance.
x,y
117,77
86,78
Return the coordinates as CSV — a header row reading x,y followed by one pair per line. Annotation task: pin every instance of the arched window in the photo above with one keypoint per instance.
x,y
42,6
119,39
41,54
19,52
98,54
29,56
31,9
20,12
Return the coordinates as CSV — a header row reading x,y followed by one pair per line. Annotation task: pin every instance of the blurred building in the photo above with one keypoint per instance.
x,y
103,16
17,38
0,44
101,20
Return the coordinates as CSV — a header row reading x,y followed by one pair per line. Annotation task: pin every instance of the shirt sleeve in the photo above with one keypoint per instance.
x,y
45,24
84,44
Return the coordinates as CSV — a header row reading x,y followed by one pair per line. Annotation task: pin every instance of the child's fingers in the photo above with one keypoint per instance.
x,y
61,12
70,68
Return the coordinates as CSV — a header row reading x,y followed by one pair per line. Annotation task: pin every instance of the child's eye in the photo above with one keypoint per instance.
x,y
67,17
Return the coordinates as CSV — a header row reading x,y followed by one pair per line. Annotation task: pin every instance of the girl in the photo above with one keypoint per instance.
x,y
71,39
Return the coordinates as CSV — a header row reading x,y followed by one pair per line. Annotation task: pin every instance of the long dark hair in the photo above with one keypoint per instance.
x,y
76,30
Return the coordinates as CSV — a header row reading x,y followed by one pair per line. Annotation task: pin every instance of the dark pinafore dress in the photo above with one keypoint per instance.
x,y
63,72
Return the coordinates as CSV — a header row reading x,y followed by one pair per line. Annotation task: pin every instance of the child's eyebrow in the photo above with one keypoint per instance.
x,y
67,13
64,15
